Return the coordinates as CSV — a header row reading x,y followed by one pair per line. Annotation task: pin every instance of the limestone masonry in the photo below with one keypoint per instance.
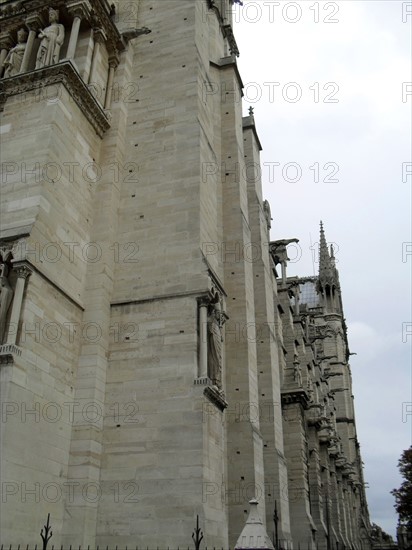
x,y
156,361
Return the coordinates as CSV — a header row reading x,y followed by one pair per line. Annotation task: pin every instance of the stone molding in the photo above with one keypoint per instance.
x,y
226,63
61,73
216,396
295,396
228,34
8,352
79,8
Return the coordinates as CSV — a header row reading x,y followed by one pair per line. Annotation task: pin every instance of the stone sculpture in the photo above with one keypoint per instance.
x,y
52,38
14,58
215,342
297,375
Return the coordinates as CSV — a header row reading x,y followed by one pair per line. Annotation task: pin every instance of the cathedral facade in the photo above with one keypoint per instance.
x,y
156,360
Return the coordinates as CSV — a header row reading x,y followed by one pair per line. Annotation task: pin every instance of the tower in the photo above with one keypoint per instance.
x,y
146,370
125,233
325,477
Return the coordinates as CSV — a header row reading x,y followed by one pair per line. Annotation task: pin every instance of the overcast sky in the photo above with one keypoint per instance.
x,y
340,129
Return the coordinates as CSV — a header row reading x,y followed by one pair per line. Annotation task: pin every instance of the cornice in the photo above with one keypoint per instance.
x,y
295,396
216,396
8,354
61,73
226,63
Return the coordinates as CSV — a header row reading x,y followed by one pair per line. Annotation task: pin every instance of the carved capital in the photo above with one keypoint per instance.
x,y
99,36
6,40
22,269
203,301
34,22
79,8
114,59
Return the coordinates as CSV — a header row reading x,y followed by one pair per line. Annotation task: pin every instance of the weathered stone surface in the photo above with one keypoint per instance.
x,y
153,367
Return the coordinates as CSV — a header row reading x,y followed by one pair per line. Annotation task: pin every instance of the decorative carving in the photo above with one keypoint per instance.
x,y
52,40
79,8
311,389
130,34
228,33
14,58
268,214
63,73
12,10
8,353
99,36
6,40
217,397
216,320
315,416
297,375
278,250
6,297
23,270
295,396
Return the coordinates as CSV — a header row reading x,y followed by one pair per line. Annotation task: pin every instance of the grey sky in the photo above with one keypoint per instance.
x,y
363,129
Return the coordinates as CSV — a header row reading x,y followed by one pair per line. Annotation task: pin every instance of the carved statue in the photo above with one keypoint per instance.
x,y
310,389
297,375
268,215
215,342
14,58
52,40
6,296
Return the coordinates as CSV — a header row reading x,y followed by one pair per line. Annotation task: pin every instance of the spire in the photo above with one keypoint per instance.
x,y
327,271
328,281
324,258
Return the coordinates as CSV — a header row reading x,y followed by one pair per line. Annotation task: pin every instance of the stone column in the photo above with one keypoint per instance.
x,y
203,305
34,23
113,63
297,295
283,264
99,37
23,271
79,10
6,42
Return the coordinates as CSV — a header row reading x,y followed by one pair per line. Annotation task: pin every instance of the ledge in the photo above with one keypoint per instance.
x,y
295,396
227,63
8,352
216,397
64,73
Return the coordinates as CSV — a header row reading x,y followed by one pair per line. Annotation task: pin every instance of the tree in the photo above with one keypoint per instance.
x,y
403,495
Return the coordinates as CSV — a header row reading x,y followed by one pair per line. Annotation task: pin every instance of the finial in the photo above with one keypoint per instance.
x,y
197,535
251,111
324,258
